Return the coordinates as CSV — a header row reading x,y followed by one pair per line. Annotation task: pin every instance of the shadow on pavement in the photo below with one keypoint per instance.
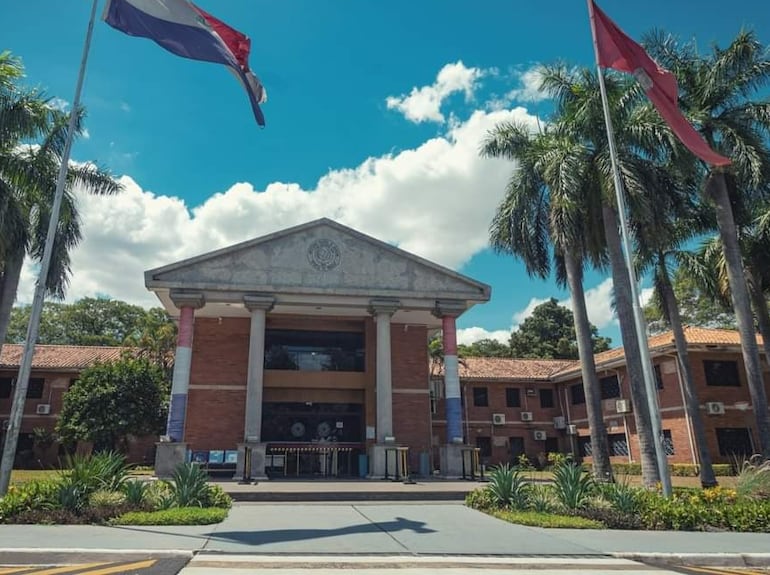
x,y
286,535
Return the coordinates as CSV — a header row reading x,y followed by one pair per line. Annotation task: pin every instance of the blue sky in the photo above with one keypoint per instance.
x,y
375,113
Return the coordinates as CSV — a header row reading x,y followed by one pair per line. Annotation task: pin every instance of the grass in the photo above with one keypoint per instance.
x,y
537,519
174,516
26,475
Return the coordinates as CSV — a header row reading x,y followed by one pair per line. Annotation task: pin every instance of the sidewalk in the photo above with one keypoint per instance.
x,y
384,529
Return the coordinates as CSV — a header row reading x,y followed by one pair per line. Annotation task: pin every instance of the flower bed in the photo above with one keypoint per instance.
x,y
575,494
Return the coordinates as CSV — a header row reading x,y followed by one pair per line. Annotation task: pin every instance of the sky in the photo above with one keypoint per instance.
x,y
376,111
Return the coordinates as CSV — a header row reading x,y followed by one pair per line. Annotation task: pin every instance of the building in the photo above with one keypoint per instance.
x,y
515,406
54,368
301,351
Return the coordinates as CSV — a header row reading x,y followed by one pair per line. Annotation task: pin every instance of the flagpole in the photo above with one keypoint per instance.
x,y
639,322
22,382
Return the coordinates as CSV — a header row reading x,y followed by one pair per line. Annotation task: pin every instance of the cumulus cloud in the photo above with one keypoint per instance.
x,y
441,186
423,104
529,87
58,104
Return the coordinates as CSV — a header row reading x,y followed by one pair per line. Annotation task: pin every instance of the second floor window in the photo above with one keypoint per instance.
x,y
610,387
722,373
577,393
546,398
480,397
513,397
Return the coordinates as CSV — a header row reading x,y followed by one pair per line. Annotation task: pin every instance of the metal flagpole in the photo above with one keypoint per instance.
x,y
639,322
22,382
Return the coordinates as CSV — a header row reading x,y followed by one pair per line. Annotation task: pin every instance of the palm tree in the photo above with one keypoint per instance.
x,y
542,221
639,134
27,183
659,243
718,93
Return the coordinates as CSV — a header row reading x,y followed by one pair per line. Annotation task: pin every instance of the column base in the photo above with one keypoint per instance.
x,y
385,464
451,461
168,456
257,471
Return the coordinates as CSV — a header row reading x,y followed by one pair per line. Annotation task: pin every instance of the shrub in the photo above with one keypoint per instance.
x,y
135,492
509,487
189,484
610,517
40,494
216,497
106,470
621,496
176,516
481,498
572,485
105,498
754,478
748,515
541,499
159,495
523,463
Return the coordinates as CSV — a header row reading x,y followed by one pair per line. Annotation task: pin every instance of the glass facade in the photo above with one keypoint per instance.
x,y
301,350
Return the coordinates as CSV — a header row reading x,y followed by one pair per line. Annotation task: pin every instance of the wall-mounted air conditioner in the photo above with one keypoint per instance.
x,y
531,392
572,429
498,418
540,435
715,408
623,406
43,408
527,416
559,422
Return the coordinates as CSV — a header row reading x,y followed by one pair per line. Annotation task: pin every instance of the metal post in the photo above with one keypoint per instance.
x,y
639,322
22,381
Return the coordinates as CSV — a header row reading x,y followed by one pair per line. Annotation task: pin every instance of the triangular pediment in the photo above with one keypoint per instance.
x,y
320,257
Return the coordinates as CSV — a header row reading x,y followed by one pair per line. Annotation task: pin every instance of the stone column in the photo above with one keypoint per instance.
x,y
382,310
170,453
258,305
451,454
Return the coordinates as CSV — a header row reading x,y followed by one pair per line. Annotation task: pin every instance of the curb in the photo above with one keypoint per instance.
x,y
337,496
699,559
96,551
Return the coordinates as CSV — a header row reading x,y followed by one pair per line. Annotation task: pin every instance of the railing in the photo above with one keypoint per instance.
x,y
316,460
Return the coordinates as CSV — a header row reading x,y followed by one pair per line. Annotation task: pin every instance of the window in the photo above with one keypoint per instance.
x,y
6,385
513,397
584,445
722,373
35,388
480,397
485,444
734,442
436,391
314,350
577,393
618,444
546,398
658,377
668,442
610,387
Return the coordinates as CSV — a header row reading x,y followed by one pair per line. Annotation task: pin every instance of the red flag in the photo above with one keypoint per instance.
x,y
618,51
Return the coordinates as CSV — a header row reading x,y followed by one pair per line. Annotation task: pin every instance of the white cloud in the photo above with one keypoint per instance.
x,y
424,104
529,87
470,335
125,107
520,316
85,134
444,192
58,104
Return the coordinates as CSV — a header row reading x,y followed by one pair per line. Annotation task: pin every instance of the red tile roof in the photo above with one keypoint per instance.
x,y
60,357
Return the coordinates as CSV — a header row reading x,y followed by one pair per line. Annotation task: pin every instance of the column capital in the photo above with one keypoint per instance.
x,y
182,299
258,301
384,305
449,307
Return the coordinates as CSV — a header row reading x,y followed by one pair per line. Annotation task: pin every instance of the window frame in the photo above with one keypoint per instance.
x,y
476,390
509,395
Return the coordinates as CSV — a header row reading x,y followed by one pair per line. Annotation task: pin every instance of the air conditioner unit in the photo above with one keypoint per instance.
x,y
527,416
623,406
540,435
559,422
572,429
43,408
498,418
715,408
531,392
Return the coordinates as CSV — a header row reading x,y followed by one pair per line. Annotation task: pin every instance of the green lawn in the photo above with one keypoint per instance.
x,y
24,475
636,480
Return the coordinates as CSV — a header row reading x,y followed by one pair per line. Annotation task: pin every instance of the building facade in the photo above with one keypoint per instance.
x,y
534,407
301,351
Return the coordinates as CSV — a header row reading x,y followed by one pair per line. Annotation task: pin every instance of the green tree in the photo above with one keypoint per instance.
x,y
549,333
112,400
485,348
542,221
721,93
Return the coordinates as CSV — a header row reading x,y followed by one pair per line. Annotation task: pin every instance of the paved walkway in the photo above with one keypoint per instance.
x,y
407,529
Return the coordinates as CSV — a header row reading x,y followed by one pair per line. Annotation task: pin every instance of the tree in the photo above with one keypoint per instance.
x,y
549,333
638,133
541,220
718,92
485,348
111,400
696,307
